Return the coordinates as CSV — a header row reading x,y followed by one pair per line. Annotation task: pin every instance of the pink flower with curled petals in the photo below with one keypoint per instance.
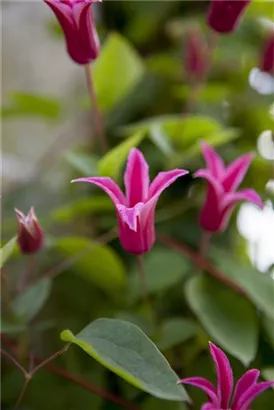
x,y
30,237
246,389
224,15
135,210
75,18
221,195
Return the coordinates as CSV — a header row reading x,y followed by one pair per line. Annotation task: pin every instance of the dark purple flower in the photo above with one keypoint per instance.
x,y
223,15
267,61
75,18
196,56
30,237
221,195
135,210
220,398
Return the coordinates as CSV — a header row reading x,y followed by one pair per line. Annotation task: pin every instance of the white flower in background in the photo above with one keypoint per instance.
x,y
257,227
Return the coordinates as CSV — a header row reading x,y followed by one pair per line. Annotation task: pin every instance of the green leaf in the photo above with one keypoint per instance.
x,y
124,349
7,250
268,373
8,327
28,304
155,404
116,72
163,268
26,104
211,92
98,263
161,140
228,317
259,287
175,331
111,164
83,163
83,207
268,324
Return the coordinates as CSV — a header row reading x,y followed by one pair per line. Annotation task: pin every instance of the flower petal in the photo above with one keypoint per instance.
x,y
251,394
136,178
208,406
224,375
130,215
244,383
248,195
204,385
236,171
108,185
213,161
163,180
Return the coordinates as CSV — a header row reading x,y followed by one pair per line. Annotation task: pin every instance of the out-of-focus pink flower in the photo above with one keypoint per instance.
x,y
135,210
75,18
30,237
224,15
222,182
196,56
267,61
246,389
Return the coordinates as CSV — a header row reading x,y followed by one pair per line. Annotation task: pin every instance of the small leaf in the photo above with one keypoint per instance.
x,y
175,331
163,268
258,286
7,250
228,317
161,140
124,349
28,304
83,163
268,374
116,72
111,164
98,263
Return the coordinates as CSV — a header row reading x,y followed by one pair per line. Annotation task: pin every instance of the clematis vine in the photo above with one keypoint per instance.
x,y
222,183
224,15
135,210
220,398
75,18
30,237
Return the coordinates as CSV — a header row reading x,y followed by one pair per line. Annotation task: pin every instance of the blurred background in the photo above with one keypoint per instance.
x,y
143,85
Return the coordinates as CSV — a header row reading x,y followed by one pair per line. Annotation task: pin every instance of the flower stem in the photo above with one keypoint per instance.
x,y
204,243
142,276
95,111
6,297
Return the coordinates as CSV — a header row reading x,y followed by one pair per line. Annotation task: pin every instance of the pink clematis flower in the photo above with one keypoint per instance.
x,y
222,184
135,210
267,61
30,237
246,390
223,15
75,18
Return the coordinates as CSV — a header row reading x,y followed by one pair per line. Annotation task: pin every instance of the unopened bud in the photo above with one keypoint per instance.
x,y
30,235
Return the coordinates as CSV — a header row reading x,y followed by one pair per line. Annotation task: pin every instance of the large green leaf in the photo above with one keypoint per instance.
x,y
163,268
116,71
84,163
29,303
98,263
7,250
259,287
111,164
175,331
229,318
124,349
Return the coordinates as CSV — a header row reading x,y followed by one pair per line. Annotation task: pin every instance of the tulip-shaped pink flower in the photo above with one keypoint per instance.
x,y
221,195
267,61
246,390
75,18
30,237
135,210
223,15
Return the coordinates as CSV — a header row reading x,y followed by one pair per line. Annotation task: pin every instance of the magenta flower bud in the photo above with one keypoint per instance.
x,y
196,56
135,210
246,390
267,62
30,237
222,183
75,18
224,15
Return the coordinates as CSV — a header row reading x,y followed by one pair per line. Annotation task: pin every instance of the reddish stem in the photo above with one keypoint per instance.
x,y
200,262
